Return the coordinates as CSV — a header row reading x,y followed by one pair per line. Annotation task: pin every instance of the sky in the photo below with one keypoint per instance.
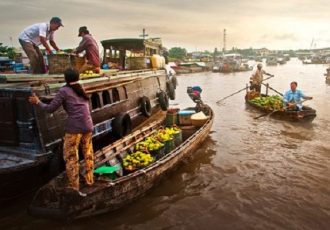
x,y
195,25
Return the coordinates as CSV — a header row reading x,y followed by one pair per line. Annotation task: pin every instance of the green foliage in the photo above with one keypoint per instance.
x,y
177,53
7,51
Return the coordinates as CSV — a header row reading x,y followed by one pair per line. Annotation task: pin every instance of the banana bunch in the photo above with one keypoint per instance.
x,y
173,130
269,102
88,73
162,135
137,160
149,144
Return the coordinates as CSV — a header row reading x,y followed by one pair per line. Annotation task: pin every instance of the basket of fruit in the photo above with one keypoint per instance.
x,y
58,63
137,160
176,133
151,145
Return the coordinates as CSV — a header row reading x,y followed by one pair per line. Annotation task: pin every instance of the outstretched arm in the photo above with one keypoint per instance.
x,y
43,41
53,44
50,108
305,97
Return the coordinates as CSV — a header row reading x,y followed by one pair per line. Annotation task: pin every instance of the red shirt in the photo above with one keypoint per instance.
x,y
89,45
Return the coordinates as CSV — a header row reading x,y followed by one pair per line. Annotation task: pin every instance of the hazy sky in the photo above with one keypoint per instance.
x,y
195,25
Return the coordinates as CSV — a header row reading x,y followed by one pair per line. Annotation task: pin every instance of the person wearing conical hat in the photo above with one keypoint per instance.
x,y
257,78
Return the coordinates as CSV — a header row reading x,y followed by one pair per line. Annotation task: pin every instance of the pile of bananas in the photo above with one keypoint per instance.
x,y
89,73
137,160
166,134
149,144
142,157
269,102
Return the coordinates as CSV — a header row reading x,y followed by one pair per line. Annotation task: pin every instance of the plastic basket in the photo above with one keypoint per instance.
x,y
169,146
159,153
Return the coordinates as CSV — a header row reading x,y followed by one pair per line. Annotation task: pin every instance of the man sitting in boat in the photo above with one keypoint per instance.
x,y
89,45
292,98
257,78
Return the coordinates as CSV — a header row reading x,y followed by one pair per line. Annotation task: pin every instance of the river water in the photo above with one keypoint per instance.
x,y
249,173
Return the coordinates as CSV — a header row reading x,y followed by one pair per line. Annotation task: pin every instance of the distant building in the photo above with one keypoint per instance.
x,y
263,52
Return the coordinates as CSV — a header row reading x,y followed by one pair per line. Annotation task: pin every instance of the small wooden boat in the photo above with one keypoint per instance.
x,y
54,201
307,113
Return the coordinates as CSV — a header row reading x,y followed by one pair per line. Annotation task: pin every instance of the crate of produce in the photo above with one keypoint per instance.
x,y
184,117
58,63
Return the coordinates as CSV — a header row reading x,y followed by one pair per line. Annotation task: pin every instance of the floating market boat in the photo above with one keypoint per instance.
x,y
54,201
327,76
271,61
270,106
31,139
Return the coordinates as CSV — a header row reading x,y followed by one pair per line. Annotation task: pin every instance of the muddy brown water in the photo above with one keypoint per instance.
x,y
249,174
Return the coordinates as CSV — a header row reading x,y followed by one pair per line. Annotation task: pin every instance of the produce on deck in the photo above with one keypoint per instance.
x,y
269,102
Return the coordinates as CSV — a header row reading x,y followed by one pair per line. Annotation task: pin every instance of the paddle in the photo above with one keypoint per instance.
x,y
273,89
239,91
270,113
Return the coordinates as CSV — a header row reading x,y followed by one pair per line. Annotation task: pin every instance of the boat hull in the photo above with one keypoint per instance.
x,y
307,114
38,139
109,196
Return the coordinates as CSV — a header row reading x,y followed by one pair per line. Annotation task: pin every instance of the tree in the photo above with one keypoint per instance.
x,y
177,53
7,51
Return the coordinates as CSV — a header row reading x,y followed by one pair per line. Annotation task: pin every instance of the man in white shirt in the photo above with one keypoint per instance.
x,y
33,36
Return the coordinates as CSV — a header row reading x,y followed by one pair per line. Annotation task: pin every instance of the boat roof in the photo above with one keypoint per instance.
x,y
132,43
232,55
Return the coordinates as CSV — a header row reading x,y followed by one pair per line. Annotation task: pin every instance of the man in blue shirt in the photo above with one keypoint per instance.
x,y
292,98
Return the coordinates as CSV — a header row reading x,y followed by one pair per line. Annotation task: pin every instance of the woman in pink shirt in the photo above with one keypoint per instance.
x,y
78,128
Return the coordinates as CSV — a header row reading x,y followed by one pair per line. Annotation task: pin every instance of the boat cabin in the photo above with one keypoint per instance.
x,y
130,53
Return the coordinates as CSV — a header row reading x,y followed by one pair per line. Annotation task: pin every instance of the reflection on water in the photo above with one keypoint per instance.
x,y
249,173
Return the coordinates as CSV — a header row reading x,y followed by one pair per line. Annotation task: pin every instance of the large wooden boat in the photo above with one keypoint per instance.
x,y
53,200
31,139
306,114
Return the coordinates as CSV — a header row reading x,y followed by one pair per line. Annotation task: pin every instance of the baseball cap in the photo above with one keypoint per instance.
x,y
56,20
83,29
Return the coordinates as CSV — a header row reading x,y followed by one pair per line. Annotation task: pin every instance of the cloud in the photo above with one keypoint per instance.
x,y
188,23
290,37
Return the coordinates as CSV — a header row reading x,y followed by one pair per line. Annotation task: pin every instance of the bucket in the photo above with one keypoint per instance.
x,y
172,117
177,137
184,117
159,153
169,146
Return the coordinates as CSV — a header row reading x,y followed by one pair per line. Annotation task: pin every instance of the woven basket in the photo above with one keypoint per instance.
x,y
198,122
58,63
79,62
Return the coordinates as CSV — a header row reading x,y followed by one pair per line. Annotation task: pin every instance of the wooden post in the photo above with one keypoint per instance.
x,y
267,86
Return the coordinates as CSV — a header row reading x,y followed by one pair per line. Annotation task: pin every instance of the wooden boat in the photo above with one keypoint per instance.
x,y
271,61
307,113
327,76
31,139
327,79
53,201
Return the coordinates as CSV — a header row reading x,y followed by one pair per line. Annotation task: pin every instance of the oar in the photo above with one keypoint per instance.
x,y
273,89
270,113
238,91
